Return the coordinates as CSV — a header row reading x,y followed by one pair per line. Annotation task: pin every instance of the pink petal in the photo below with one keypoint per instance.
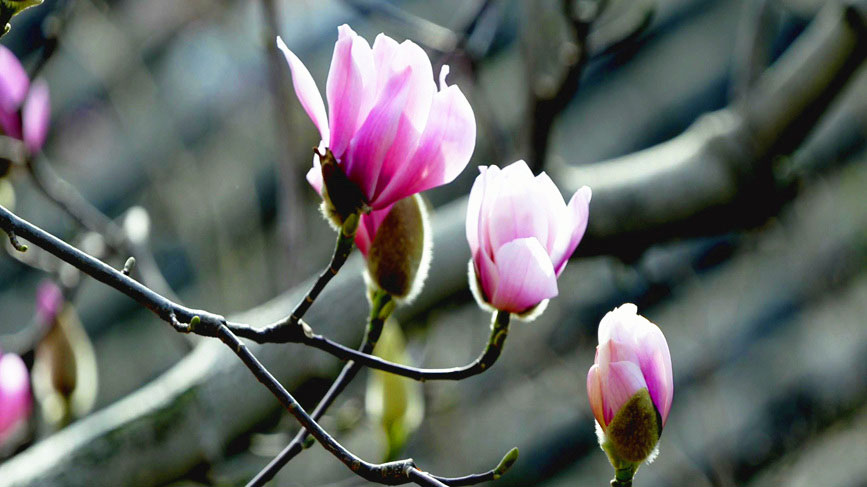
x,y
615,324
493,186
594,392
314,176
474,208
14,392
36,116
417,109
444,149
306,90
350,87
363,160
556,215
655,361
579,212
487,272
526,276
518,210
422,87
384,52
621,382
14,83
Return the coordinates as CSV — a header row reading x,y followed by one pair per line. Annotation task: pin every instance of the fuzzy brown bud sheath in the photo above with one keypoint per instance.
x,y
399,255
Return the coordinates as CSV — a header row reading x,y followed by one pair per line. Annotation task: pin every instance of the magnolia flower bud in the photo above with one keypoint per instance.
x,y
631,387
521,234
399,256
64,369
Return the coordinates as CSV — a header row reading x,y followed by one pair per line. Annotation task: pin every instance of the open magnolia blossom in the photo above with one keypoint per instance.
x,y
389,129
630,385
521,233
25,109
14,394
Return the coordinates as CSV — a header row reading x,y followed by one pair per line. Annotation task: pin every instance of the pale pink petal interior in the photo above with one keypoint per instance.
x,y
526,276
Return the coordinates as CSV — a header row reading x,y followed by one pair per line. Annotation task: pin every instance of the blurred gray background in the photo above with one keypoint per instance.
x,y
756,277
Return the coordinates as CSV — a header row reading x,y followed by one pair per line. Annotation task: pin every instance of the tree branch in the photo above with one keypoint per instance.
x,y
375,323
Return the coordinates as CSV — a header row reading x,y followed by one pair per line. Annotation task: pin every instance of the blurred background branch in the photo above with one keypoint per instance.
x,y
729,206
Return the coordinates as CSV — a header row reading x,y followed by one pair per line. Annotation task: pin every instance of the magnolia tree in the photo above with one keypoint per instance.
x,y
393,129
389,133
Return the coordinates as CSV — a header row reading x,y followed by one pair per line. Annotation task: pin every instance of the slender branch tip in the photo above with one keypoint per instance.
x,y
128,266
16,244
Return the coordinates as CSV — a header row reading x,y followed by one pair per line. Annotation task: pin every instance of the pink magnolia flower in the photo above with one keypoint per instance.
x,y
632,355
521,235
14,393
392,132
22,104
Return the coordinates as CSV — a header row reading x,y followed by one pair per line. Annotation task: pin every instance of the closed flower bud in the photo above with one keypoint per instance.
x,y
64,369
398,257
388,128
630,387
521,234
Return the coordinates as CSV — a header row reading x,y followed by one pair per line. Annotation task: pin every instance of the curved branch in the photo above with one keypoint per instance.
x,y
499,332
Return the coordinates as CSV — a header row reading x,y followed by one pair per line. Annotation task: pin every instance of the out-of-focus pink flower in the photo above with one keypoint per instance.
x,y
392,132
36,115
13,81
521,235
21,101
49,301
15,402
632,355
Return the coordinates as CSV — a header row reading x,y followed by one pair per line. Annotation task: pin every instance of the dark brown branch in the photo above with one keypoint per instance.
x,y
545,105
350,370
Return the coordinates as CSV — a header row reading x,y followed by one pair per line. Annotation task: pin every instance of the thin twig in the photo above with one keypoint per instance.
x,y
74,204
499,332
350,370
